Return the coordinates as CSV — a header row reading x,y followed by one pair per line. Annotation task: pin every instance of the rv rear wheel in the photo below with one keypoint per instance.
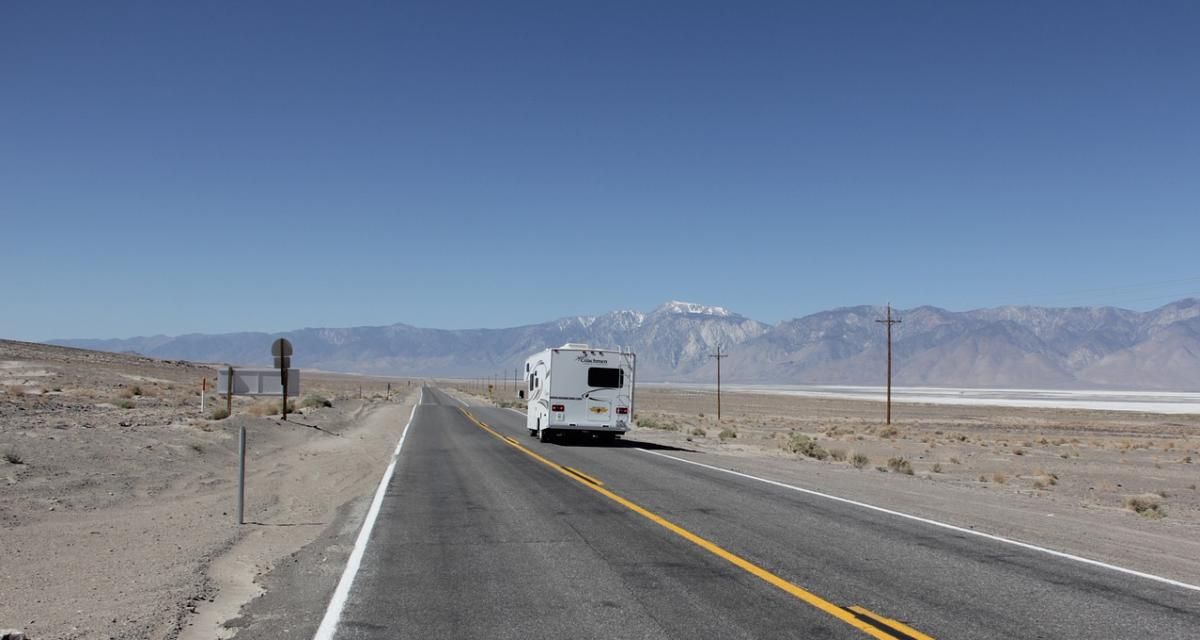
x,y
543,435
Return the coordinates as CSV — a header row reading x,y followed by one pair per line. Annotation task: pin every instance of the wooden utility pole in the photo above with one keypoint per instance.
x,y
718,357
889,321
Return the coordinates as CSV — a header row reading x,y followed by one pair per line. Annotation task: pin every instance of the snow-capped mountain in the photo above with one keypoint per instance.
x,y
1095,347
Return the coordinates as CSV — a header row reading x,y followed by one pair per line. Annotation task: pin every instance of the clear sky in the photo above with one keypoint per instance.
x,y
214,166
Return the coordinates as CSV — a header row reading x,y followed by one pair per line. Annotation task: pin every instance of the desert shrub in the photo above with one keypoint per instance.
x,y
1046,478
889,432
699,431
859,460
315,400
125,403
1018,451
839,455
12,456
1148,505
999,478
651,423
271,408
264,408
220,413
16,391
900,465
955,461
937,467
197,447
727,434
801,444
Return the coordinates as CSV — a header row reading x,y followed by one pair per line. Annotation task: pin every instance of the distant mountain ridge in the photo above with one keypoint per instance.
x,y
1022,347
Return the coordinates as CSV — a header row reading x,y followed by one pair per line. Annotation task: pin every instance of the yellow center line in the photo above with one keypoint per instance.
x,y
799,592
583,475
895,624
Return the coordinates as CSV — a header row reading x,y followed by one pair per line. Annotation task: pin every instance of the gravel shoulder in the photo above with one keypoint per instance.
x,y
117,496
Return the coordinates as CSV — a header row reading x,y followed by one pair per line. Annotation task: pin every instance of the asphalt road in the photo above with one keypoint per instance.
x,y
483,534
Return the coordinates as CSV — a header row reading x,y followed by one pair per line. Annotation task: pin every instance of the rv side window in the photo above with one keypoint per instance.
x,y
606,378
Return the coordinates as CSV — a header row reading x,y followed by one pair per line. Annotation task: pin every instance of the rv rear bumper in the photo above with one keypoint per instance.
x,y
599,428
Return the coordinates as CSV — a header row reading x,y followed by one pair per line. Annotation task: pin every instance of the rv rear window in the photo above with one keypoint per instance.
x,y
606,378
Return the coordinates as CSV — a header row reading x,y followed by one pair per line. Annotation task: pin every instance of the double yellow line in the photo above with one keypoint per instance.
x,y
869,623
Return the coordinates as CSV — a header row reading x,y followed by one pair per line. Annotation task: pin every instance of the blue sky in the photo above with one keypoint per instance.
x,y
206,167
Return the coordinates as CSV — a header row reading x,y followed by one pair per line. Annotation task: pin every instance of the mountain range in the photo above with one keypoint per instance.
x,y
1013,347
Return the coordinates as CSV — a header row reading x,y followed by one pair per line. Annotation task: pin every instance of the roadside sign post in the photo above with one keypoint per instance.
x,y
282,350
255,382
203,391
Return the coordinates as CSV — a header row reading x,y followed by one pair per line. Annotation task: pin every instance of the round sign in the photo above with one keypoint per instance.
x,y
281,347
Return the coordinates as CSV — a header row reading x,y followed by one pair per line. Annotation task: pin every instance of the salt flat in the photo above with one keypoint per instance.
x,y
1163,402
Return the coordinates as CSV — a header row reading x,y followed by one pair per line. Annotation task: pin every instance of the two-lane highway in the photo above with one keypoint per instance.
x,y
483,532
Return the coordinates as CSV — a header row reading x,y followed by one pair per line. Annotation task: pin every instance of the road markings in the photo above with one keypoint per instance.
x,y
935,523
574,471
898,629
333,612
849,617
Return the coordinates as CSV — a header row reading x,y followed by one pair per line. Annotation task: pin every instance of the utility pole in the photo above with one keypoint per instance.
x,y
889,321
718,357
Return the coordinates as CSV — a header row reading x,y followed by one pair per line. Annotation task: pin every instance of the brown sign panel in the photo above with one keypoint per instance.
x,y
281,347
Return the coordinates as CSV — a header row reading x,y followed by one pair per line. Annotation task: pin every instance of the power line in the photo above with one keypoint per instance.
x,y
889,321
718,357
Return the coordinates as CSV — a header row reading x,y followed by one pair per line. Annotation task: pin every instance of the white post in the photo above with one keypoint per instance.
x,y
241,518
203,392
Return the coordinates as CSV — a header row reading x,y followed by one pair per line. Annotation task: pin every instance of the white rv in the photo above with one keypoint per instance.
x,y
578,388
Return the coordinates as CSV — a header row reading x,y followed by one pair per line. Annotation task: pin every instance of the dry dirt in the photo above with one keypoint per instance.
x,y
1096,459
117,496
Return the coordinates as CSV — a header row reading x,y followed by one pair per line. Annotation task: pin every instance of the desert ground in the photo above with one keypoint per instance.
x,y
117,495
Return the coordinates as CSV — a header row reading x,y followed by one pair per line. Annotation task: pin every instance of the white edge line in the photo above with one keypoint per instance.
x,y
333,613
989,536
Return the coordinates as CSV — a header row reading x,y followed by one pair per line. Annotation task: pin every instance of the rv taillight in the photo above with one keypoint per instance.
x,y
622,410
558,408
